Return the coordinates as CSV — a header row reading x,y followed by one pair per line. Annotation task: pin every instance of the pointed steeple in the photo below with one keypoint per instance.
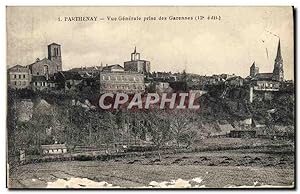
x,y
134,49
254,70
278,56
278,73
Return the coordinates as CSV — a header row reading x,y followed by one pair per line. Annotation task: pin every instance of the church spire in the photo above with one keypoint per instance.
x,y
278,56
134,49
278,73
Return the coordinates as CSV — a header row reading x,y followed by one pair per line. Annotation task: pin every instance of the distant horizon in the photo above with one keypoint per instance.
x,y
122,64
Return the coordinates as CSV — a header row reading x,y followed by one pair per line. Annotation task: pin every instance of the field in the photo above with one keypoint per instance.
x,y
211,169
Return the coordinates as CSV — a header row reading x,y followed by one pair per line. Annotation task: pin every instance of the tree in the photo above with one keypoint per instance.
x,y
158,126
109,124
188,137
181,121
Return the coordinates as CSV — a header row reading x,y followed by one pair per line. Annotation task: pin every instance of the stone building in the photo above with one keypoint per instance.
x,y
276,75
114,79
37,74
254,70
40,82
236,81
54,54
66,80
44,67
19,77
268,82
265,83
113,68
136,64
48,66
54,149
85,71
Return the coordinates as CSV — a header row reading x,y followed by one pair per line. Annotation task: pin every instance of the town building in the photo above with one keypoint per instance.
x,y
113,68
236,81
54,149
66,80
48,66
254,70
114,79
87,71
165,76
268,82
136,64
19,77
276,75
38,74
40,82
162,87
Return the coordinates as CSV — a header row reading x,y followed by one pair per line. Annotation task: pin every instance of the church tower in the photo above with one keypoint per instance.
x,y
253,70
135,56
54,54
278,73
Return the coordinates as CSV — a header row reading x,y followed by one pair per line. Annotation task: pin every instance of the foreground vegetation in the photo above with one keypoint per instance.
x,y
240,168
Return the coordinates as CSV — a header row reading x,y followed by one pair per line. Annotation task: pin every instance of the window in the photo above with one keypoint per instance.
x,y
20,76
15,76
46,69
55,52
24,76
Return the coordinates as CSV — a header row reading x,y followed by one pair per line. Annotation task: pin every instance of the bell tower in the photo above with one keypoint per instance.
x,y
254,70
54,54
135,56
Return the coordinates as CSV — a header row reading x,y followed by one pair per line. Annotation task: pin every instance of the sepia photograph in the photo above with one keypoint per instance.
x,y
150,97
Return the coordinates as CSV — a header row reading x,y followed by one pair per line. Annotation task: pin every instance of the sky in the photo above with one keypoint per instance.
x,y
206,47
